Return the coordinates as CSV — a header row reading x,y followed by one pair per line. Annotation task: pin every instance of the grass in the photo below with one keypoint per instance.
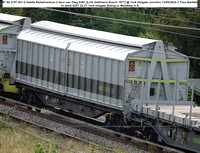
x,y
14,140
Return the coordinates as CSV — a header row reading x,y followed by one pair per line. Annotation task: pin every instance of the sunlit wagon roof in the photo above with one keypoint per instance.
x,y
92,34
83,40
7,18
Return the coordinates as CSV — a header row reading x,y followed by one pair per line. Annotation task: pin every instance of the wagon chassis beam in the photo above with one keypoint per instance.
x,y
70,100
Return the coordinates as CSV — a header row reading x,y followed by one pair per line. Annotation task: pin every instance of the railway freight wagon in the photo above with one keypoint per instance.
x,y
10,26
141,81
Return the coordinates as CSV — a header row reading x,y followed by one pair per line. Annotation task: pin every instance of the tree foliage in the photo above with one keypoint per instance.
x,y
185,44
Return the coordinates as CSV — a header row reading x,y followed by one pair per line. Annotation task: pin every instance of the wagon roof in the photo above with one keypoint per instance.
x,y
7,18
3,26
92,34
83,40
77,44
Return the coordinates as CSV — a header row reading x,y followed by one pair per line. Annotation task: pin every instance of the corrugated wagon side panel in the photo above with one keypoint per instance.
x,y
95,68
23,59
120,83
19,64
45,65
96,78
56,67
34,63
83,70
76,73
18,56
89,74
119,79
70,71
40,63
108,86
101,78
114,79
27,60
51,69
41,66
62,69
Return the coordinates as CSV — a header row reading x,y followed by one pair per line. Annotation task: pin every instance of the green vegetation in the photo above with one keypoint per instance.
x,y
25,138
102,146
5,118
196,96
47,149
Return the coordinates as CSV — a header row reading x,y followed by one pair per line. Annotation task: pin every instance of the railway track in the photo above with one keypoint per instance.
x,y
83,126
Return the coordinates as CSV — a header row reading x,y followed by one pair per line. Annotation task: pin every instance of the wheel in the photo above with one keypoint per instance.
x,y
38,110
30,108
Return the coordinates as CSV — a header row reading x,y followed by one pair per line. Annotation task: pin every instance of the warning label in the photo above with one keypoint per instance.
x,y
131,66
4,41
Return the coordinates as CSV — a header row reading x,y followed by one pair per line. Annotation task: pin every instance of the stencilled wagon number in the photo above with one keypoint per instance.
x,y
21,2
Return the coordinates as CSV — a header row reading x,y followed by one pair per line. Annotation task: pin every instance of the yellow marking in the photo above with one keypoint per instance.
x,y
183,81
4,29
182,138
158,60
162,81
156,81
7,87
131,63
140,64
139,80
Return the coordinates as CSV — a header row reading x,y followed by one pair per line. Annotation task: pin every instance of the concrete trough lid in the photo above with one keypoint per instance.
x,y
181,113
